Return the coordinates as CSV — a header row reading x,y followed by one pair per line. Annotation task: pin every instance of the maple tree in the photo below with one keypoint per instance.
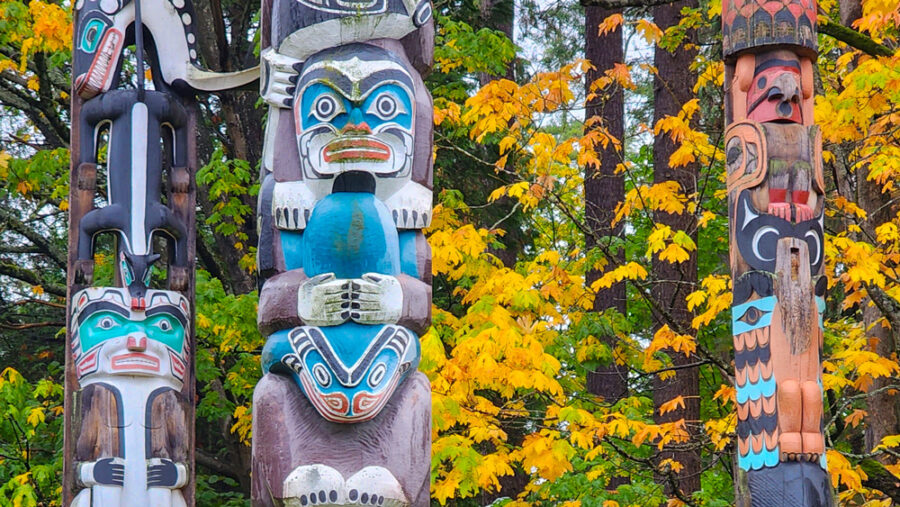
x,y
516,327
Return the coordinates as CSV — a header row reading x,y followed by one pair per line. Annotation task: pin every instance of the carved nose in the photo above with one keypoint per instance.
x,y
137,343
356,128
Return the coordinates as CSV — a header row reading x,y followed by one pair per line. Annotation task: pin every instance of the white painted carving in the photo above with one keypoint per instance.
x,y
330,488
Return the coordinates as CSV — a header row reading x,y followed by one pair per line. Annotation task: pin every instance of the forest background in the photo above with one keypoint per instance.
x,y
580,352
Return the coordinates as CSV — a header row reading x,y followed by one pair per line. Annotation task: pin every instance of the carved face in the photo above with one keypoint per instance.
x,y
136,271
347,377
354,111
112,339
97,49
775,93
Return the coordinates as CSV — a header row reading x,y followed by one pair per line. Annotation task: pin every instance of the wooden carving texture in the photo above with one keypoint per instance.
x,y
129,409
776,209
341,415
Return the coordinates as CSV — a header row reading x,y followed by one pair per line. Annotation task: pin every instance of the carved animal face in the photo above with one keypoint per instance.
x,y
98,47
346,373
775,93
355,111
109,338
136,271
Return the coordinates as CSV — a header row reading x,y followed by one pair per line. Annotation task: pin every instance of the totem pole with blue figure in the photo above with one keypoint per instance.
x,y
341,415
129,412
776,197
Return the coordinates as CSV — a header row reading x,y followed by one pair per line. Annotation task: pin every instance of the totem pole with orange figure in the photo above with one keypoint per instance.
x,y
776,208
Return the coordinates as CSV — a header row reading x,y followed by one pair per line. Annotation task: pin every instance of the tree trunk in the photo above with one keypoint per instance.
x,y
672,89
603,191
603,188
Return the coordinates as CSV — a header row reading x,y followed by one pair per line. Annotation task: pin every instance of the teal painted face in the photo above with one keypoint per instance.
x,y
107,324
112,338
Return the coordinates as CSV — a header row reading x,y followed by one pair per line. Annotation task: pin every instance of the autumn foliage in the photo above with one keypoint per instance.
x,y
513,333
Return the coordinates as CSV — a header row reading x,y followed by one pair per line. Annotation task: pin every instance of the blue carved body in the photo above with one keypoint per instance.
x,y
348,371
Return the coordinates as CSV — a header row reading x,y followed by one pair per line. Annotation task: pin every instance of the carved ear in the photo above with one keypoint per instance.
x,y
740,85
152,258
745,155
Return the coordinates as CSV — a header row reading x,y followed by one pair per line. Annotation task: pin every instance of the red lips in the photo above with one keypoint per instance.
x,y
135,361
356,149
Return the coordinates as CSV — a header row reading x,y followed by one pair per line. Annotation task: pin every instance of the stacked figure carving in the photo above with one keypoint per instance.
x,y
776,209
341,415
129,375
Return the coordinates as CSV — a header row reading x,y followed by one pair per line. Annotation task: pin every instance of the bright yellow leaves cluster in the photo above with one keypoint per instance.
x,y
42,27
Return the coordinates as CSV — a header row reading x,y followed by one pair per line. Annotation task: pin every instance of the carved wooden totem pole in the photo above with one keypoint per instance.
x,y
341,415
129,375
776,207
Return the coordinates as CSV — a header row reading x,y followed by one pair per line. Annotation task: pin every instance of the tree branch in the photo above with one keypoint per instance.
x,y
855,39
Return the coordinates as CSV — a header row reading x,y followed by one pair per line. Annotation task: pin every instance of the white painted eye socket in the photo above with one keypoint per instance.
x,y
377,375
106,323
386,107
322,376
164,325
326,107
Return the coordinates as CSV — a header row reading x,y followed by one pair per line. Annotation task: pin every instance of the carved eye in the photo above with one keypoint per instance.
x,y
377,374
164,325
322,376
148,275
326,107
386,107
761,83
127,276
752,315
106,323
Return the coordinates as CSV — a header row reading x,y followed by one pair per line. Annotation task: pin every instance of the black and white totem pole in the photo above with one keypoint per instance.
x,y
341,415
129,416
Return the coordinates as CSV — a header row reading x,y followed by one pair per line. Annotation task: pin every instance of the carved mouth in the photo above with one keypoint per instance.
x,y
94,80
356,149
135,361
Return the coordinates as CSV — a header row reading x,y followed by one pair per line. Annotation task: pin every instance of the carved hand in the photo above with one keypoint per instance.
x,y
324,300
108,471
376,299
165,473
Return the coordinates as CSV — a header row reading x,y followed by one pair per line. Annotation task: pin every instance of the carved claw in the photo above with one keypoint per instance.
x,y
180,180
84,271
178,278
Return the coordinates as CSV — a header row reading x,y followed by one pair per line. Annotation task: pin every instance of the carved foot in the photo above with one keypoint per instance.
x,y
780,209
325,486
804,212
180,180
178,278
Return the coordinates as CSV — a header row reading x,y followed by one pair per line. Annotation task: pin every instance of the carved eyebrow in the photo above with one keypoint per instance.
x,y
777,63
97,306
168,310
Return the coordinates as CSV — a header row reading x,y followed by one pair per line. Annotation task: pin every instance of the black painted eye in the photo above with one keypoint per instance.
x,y
106,323
326,107
761,83
164,325
386,107
752,315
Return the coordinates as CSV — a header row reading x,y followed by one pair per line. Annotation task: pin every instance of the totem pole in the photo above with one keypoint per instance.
x,y
341,415
129,423
776,208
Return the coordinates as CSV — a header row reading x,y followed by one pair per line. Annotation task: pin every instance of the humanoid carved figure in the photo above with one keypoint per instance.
x,y
776,210
351,285
132,446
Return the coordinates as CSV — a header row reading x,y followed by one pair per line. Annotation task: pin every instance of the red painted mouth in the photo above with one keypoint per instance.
x,y
94,80
356,149
135,361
